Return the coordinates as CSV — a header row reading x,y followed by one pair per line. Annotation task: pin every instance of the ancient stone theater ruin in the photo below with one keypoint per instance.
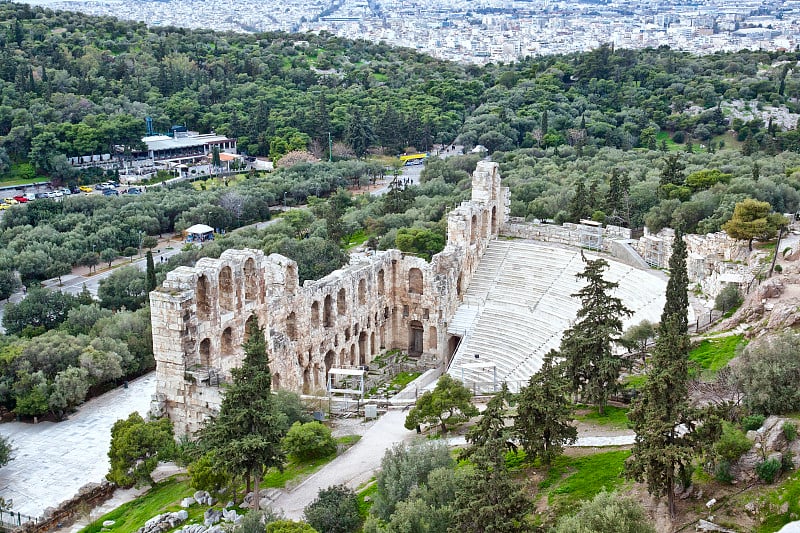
x,y
488,307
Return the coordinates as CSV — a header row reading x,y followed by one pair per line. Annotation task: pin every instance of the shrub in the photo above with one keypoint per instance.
x,y
290,526
752,422
731,444
789,431
607,513
334,511
766,373
722,472
728,298
402,469
778,269
768,470
787,461
309,441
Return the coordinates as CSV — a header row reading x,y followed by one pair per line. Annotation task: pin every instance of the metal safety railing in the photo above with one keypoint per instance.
x,y
10,520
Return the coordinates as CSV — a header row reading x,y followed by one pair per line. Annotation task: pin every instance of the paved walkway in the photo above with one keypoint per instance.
x,y
51,461
353,468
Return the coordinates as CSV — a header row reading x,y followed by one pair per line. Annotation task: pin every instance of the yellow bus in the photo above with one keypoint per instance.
x,y
413,159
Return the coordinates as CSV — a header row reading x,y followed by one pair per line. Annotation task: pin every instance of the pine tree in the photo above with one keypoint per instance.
x,y
545,123
591,365
542,423
492,425
614,195
150,276
661,416
672,173
579,206
246,434
490,500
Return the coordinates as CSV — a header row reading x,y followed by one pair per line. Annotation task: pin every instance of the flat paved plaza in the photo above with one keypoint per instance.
x,y
51,461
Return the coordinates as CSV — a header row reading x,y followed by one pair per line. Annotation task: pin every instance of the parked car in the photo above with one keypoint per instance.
x,y
10,201
3,207
21,199
30,196
133,190
42,195
56,194
65,191
85,188
110,192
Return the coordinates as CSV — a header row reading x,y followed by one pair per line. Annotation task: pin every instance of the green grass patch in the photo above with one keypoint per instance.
x,y
634,382
369,491
348,440
571,480
275,479
612,416
356,239
21,181
163,497
404,378
713,354
211,184
787,491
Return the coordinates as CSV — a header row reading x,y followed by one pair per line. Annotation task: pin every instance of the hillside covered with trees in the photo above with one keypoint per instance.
x,y
649,137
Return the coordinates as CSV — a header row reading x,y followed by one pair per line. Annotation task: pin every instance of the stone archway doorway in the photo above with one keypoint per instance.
x,y
416,335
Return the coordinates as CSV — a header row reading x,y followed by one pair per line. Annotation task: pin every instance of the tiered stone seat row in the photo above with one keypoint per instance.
x,y
520,303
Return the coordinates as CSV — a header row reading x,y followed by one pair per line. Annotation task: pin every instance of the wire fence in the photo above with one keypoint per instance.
x,y
10,520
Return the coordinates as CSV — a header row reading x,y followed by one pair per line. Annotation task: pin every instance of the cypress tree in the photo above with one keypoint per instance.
x,y
150,276
591,365
491,499
661,416
246,434
544,413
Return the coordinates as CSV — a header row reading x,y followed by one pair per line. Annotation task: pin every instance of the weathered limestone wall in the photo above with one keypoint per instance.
x,y
582,235
381,301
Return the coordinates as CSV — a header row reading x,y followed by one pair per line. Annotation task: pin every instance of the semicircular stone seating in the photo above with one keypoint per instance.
x,y
519,304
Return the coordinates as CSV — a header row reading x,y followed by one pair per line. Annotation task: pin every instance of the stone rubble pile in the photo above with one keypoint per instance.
x,y
212,518
163,522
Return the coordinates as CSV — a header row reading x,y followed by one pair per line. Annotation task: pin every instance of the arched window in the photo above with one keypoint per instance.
x,y
315,315
205,352
252,321
473,230
226,346
250,280
291,326
362,291
415,281
341,302
226,291
203,307
494,220
327,312
291,279
330,357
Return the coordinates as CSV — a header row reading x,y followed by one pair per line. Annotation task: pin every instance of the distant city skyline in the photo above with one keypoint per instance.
x,y
480,31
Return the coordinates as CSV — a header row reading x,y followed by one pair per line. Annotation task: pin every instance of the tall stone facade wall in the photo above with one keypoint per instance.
x,y
387,300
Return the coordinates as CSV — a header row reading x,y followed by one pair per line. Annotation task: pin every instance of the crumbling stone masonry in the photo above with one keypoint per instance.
x,y
386,300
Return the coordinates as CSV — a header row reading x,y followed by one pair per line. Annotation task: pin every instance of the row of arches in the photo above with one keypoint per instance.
x,y
327,318
227,347
226,289
486,229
